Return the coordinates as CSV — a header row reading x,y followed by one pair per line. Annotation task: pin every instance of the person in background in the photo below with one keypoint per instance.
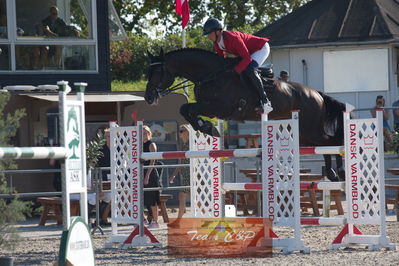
x,y
395,113
151,179
284,75
55,27
184,172
379,104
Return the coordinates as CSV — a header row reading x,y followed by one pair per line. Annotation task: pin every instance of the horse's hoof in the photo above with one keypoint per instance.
x,y
332,176
215,132
209,129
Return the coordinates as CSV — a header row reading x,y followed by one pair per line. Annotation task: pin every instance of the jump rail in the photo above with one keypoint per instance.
x,y
254,152
303,186
33,153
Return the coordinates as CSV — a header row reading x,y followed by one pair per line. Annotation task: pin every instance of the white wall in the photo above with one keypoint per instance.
x,y
291,60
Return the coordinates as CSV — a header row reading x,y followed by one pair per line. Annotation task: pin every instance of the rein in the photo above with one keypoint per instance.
x,y
178,86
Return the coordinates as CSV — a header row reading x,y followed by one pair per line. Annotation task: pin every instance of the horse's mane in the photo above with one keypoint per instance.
x,y
200,51
190,49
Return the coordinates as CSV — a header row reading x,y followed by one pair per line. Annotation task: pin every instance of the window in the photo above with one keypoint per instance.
x,y
55,57
69,19
3,19
116,30
48,35
4,57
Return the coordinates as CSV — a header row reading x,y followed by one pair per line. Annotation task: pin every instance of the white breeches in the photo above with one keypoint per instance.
x,y
261,55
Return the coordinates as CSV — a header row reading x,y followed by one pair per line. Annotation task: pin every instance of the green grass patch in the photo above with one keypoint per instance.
x,y
118,85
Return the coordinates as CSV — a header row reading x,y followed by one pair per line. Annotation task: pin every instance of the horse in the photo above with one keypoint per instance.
x,y
221,93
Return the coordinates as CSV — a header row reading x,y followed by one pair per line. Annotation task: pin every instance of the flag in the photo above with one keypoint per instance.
x,y
183,9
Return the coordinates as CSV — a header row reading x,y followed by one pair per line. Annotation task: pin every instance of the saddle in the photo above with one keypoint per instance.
x,y
242,108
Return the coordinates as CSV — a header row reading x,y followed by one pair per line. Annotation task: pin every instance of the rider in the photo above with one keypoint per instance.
x,y
252,49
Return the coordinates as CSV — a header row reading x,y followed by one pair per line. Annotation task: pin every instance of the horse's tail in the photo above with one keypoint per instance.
x,y
334,117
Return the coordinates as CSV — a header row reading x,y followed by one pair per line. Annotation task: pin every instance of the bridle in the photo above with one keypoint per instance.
x,y
166,91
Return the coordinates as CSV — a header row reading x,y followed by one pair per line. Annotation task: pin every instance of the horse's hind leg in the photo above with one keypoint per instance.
x,y
340,167
330,173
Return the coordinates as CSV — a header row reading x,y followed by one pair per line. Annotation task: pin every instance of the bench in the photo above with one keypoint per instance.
x,y
52,209
314,196
162,206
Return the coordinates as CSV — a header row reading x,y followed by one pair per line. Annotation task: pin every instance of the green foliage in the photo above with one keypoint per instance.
x,y
93,150
14,210
78,19
9,123
141,16
129,59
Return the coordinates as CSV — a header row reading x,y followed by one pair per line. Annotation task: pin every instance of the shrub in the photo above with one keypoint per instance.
x,y
14,210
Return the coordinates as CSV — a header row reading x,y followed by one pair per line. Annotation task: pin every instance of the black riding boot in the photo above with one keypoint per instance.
x,y
257,84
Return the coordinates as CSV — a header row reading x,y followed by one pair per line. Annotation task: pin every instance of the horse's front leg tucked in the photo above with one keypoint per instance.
x,y
192,111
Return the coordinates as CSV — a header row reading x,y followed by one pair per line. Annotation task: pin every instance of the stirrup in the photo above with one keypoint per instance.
x,y
267,107
264,107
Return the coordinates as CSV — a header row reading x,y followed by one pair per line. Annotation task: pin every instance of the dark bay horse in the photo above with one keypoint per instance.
x,y
221,93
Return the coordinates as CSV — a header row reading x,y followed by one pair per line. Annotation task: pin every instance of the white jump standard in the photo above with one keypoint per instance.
x,y
73,152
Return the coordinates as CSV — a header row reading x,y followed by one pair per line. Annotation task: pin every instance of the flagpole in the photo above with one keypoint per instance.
x,y
183,35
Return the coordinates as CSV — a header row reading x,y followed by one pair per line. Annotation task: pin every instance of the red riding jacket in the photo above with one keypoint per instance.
x,y
242,45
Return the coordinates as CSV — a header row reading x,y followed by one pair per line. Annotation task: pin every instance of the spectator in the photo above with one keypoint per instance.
x,y
379,104
151,179
395,113
184,136
54,27
284,75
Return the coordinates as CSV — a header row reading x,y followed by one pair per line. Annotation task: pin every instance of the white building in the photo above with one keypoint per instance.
x,y
348,49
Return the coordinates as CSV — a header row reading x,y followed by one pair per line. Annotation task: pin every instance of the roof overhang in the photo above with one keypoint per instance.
x,y
326,44
91,97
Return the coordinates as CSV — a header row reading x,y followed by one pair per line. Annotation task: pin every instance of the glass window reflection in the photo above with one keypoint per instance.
x,y
68,19
3,19
55,57
4,57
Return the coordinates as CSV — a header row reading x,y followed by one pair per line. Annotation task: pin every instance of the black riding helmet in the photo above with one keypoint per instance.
x,y
211,25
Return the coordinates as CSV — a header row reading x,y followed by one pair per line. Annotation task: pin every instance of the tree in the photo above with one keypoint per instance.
x,y
143,15
13,210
